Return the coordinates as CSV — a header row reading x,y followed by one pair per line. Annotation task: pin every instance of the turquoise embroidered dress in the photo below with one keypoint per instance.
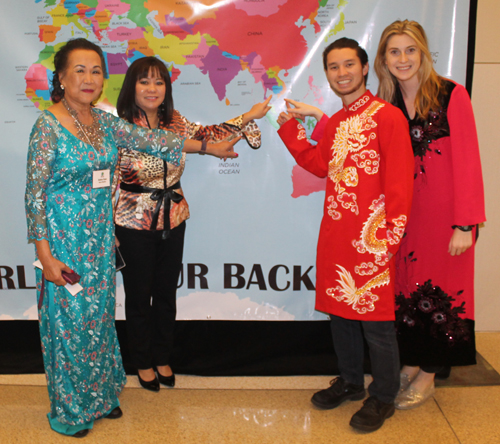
x,y
81,353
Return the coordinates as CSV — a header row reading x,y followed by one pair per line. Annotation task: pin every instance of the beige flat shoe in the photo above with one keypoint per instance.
x,y
405,382
411,397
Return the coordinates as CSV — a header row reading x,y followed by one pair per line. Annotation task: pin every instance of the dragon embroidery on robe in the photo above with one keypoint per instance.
x,y
361,299
350,138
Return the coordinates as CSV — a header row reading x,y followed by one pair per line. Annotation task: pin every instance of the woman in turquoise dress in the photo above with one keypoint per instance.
x,y
72,156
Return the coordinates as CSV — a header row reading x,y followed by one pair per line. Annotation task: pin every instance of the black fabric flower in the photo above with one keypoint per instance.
x,y
408,320
425,304
439,317
424,131
431,311
417,133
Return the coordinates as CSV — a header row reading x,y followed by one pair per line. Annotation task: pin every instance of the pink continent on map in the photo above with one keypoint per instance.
x,y
221,70
113,6
196,58
176,72
276,38
36,77
318,97
176,26
257,69
123,34
264,8
269,82
305,183
117,63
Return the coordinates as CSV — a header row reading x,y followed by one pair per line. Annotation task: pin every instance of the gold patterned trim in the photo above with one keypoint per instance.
x,y
359,103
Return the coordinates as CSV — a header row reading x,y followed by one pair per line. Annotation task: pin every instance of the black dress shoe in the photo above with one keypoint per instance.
x,y
166,380
115,413
372,415
81,434
338,392
153,385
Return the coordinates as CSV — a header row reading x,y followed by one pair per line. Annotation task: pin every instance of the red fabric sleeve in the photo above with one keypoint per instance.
x,y
313,158
396,173
468,191
319,129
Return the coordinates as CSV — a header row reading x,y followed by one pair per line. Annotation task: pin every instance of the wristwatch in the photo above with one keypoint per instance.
x,y
203,147
463,227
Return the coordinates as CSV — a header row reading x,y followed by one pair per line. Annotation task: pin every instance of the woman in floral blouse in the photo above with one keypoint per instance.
x,y
151,212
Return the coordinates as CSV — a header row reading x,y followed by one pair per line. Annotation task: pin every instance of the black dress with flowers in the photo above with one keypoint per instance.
x,y
435,291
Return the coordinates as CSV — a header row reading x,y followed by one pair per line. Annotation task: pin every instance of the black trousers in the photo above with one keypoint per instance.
x,y
384,354
150,278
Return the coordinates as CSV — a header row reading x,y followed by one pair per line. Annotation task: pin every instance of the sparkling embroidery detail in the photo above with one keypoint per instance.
x,y
368,241
92,134
361,300
436,126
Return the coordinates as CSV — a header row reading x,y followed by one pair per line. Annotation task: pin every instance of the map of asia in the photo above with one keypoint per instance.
x,y
251,239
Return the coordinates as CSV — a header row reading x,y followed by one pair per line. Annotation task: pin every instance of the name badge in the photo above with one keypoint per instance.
x,y
100,179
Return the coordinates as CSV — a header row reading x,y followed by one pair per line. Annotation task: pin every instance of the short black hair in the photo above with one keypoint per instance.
x,y
139,69
61,63
345,42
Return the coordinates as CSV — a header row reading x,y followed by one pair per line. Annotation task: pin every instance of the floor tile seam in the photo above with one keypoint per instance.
x,y
254,388
465,386
492,367
191,388
234,389
447,420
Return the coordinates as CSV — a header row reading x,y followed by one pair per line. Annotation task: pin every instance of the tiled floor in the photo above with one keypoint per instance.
x,y
258,410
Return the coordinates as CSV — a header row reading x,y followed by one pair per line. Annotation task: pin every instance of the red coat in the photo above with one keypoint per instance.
x,y
367,155
448,191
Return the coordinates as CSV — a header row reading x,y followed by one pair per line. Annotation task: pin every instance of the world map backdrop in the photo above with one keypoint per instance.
x,y
251,240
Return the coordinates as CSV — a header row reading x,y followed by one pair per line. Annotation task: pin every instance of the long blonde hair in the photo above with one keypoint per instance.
x,y
431,83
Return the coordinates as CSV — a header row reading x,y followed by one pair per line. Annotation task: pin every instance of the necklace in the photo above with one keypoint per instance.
x,y
93,132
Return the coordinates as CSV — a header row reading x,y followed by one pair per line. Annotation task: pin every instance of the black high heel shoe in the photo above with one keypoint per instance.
x,y
169,381
81,434
115,413
153,385
443,373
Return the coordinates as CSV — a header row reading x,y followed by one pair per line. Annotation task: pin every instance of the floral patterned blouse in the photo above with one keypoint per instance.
x,y
136,210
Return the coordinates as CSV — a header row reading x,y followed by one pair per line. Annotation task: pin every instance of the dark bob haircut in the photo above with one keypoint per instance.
x,y
140,68
342,43
61,63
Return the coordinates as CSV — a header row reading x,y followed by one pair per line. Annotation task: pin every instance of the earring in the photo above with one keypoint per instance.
x,y
62,87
